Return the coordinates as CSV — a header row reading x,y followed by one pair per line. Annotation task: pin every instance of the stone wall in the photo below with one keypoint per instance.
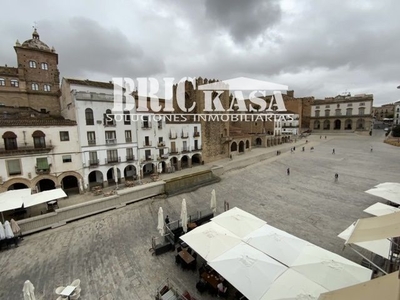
x,y
189,182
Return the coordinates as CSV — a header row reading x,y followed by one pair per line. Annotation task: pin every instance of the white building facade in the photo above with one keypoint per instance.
x,y
291,127
41,154
342,113
396,117
117,147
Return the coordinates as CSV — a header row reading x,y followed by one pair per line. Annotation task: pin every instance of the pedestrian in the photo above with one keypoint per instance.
x,y
320,136
303,149
167,220
371,149
336,177
294,148
288,171
333,151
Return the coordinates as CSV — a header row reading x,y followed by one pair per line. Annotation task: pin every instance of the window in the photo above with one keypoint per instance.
x,y
43,110
361,111
91,137
14,167
349,112
327,106
42,164
64,136
39,139
317,113
127,118
89,116
44,66
317,107
146,123
35,87
185,146
93,160
109,119
147,153
147,141
128,136
2,82
67,158
47,87
129,154
160,124
111,137
112,156
362,104
349,104
10,140
32,64
327,113
338,112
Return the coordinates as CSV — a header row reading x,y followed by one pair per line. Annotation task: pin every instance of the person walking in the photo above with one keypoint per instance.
x,y
336,177
371,149
288,171
325,137
333,151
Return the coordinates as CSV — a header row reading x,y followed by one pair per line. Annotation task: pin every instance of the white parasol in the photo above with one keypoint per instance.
x,y
14,226
213,204
2,232
28,291
184,216
7,230
160,226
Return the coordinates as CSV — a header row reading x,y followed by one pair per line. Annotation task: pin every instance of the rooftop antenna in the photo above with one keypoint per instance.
x,y
35,25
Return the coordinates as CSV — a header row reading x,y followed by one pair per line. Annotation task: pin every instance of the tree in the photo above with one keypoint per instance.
x,y
396,131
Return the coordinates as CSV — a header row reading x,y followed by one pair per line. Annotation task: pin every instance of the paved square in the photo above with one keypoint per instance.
x,y
109,252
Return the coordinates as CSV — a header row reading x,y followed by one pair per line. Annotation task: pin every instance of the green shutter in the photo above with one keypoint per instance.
x,y
42,163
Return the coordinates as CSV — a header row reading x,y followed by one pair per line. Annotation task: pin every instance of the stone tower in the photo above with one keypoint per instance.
x,y
35,82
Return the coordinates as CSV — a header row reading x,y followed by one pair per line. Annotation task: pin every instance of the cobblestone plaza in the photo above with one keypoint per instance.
x,y
109,252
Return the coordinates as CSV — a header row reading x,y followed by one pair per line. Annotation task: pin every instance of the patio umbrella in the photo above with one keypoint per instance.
x,y
14,226
160,226
184,216
2,232
213,204
388,190
210,240
7,230
28,291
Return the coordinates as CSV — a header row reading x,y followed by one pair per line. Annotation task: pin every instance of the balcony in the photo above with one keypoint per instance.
x,y
149,157
92,142
172,136
93,162
161,144
147,144
128,140
146,125
184,135
112,160
196,134
185,149
42,171
164,156
25,150
174,151
111,142
196,149
109,124
130,157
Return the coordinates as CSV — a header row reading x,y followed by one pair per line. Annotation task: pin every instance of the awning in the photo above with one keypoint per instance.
x,y
376,228
388,190
13,199
385,287
380,247
44,197
238,222
380,209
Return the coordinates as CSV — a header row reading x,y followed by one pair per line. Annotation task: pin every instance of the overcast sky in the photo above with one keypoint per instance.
x,y
317,48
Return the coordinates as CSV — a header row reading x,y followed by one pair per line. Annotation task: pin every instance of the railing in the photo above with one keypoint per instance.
x,y
92,142
146,125
147,144
42,171
161,144
130,157
110,160
128,140
186,149
172,136
165,155
25,150
184,135
111,141
93,162
149,157
196,134
174,151
196,149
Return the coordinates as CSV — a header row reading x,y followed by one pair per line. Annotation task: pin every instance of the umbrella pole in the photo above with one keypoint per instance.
x,y
2,216
367,260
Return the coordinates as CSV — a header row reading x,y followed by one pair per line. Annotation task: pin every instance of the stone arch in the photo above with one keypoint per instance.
x,y
111,176
269,143
68,173
95,178
130,172
185,161
360,124
258,141
317,124
233,147
348,124
46,183
247,144
337,124
41,177
19,180
148,169
327,125
163,168
174,162
70,184
196,159
241,147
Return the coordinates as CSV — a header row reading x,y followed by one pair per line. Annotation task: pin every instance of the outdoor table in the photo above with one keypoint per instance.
x,y
186,257
211,279
68,291
52,204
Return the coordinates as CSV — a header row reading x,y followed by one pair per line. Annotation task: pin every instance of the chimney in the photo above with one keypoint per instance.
x,y
290,93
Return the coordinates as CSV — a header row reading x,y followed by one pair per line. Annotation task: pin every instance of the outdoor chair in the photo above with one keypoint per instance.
x,y
59,290
190,251
177,259
179,249
76,283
